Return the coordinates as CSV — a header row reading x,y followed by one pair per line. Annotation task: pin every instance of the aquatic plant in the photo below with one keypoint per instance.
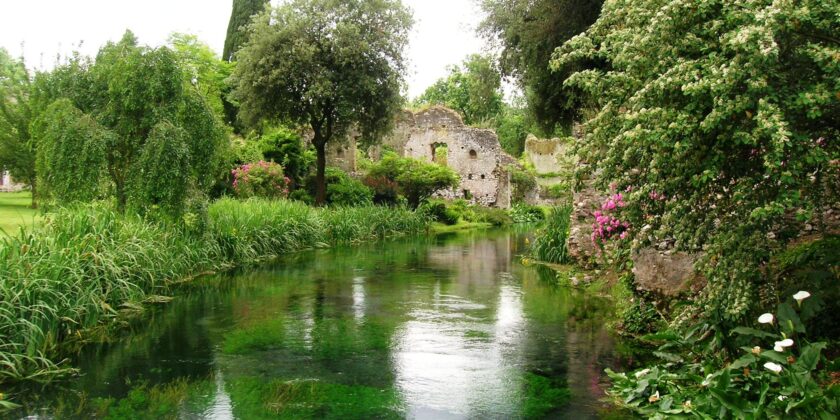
x,y
550,243
89,265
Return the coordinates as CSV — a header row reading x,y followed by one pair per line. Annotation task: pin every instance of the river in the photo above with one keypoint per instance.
x,y
447,327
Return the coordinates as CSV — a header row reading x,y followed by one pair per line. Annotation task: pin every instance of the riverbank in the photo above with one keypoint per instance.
x,y
89,265
378,330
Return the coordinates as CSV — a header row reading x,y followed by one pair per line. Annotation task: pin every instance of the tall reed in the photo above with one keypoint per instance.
x,y
550,243
87,263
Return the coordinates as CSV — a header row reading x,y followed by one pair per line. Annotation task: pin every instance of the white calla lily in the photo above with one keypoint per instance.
x,y
801,295
765,318
642,372
775,367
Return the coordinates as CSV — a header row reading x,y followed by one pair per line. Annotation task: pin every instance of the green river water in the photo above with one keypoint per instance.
x,y
440,328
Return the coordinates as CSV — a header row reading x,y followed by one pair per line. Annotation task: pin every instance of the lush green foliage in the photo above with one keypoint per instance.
x,y
240,17
203,69
451,212
133,93
550,243
785,382
527,33
475,91
285,147
440,212
17,147
524,213
260,179
329,64
716,118
71,154
416,180
523,181
344,190
89,265
512,125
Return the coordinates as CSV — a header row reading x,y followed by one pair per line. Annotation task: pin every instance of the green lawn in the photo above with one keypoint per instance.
x,y
15,211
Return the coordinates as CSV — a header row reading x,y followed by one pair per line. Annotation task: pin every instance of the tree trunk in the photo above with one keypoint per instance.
x,y
34,204
320,178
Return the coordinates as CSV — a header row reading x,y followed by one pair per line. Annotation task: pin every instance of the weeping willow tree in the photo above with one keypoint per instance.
x,y
126,125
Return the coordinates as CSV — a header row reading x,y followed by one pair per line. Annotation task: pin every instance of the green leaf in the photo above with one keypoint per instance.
x,y
744,361
774,356
789,320
729,401
671,357
753,332
810,356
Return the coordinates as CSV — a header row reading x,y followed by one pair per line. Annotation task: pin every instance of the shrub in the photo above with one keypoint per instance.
x,y
416,180
550,243
343,190
523,181
440,212
285,147
260,179
385,191
494,216
524,213
301,195
561,191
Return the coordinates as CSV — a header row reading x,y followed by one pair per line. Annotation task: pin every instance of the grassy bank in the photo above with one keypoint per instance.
x,y
84,266
15,211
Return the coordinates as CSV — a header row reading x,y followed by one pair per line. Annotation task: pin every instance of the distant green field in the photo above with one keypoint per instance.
x,y
15,211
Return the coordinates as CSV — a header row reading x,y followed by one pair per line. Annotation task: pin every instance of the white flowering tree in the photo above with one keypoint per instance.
x,y
719,121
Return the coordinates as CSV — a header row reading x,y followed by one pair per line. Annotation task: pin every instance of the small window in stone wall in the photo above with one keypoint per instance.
x,y
469,176
473,154
339,152
467,195
482,176
440,153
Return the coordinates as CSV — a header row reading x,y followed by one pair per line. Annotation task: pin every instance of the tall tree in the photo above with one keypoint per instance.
x,y
202,68
240,16
474,91
328,64
134,104
17,148
528,31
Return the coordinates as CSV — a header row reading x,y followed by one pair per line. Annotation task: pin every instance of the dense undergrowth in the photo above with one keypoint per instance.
x,y
88,264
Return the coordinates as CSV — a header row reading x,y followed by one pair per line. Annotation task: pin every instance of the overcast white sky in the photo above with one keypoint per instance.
x,y
444,32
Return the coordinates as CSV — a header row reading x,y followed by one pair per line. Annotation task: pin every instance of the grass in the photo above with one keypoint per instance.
x,y
550,244
15,211
438,227
88,265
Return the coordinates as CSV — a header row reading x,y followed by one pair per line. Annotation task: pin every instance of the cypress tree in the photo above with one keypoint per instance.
x,y
240,16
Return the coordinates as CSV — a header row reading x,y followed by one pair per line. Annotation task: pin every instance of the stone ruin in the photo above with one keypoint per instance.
x,y
438,134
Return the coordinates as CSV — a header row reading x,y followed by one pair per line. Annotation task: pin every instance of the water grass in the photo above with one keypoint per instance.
x,y
550,243
87,265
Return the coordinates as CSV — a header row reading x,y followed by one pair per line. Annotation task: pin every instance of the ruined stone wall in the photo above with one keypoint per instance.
x,y
342,155
545,154
475,154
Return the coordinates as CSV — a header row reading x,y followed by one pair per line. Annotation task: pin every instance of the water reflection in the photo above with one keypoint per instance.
x,y
449,327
